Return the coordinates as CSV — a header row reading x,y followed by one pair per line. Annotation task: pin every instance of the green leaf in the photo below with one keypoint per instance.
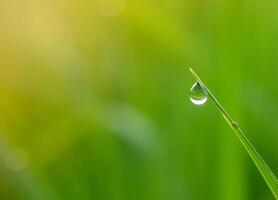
x,y
263,168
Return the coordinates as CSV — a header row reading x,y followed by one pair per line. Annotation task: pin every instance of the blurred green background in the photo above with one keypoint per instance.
x,y
94,98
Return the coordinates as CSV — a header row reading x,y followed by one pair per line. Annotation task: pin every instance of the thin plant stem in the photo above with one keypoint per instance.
x,y
263,168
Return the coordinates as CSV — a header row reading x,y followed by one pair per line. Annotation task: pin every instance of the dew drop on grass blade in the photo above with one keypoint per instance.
x,y
263,168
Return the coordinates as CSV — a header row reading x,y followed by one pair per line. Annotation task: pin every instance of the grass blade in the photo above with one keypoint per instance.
x,y
263,168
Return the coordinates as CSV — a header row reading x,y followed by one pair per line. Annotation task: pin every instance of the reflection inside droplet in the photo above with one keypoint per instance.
x,y
198,94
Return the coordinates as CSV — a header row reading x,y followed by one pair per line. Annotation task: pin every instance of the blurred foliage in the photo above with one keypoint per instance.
x,y
94,98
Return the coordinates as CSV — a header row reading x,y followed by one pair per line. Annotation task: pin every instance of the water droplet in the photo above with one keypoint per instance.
x,y
198,94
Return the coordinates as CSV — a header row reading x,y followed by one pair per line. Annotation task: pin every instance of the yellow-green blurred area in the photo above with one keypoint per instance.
x,y
94,98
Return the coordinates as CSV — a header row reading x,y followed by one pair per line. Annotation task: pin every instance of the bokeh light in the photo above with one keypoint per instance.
x,y
94,98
